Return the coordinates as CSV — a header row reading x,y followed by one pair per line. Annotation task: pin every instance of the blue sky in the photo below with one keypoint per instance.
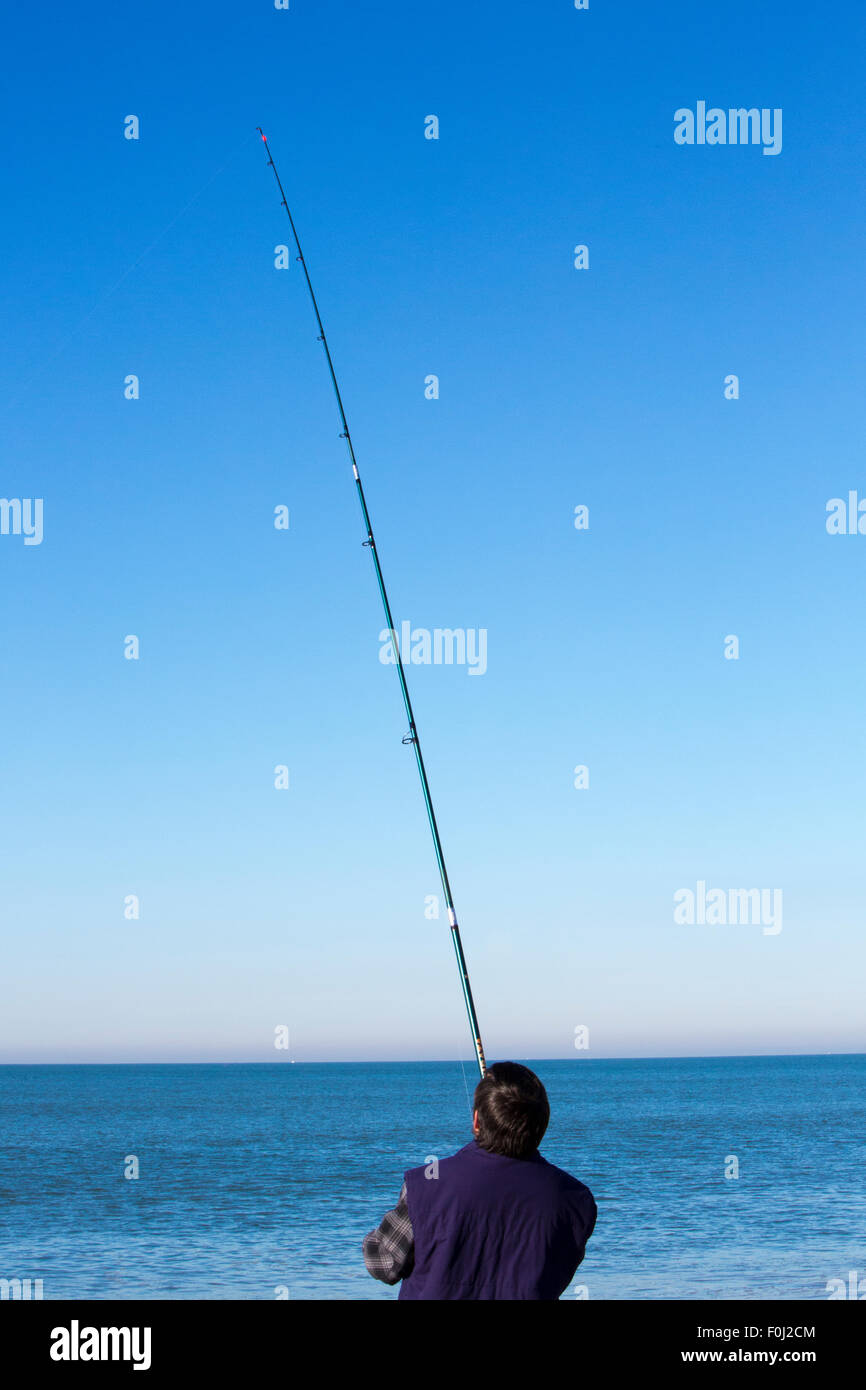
x,y
558,387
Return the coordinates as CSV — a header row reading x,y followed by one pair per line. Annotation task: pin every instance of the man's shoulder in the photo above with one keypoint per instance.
x,y
566,1182
547,1174
434,1164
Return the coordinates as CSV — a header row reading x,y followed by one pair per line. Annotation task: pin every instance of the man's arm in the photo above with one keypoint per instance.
x,y
389,1251
593,1217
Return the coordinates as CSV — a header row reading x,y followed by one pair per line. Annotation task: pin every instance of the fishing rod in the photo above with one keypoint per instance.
x,y
412,736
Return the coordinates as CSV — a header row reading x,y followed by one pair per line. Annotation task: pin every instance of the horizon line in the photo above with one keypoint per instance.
x,y
440,1061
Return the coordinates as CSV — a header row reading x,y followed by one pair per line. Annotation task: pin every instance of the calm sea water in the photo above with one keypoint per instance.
x,y
254,1177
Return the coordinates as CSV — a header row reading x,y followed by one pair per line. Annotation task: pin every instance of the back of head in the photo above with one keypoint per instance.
x,y
513,1110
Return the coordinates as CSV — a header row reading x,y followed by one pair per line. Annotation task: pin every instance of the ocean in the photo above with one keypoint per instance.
x,y
260,1181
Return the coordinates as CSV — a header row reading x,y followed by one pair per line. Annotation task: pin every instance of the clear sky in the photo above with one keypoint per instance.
x,y
558,387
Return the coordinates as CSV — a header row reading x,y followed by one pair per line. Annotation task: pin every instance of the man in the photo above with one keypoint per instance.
x,y
496,1221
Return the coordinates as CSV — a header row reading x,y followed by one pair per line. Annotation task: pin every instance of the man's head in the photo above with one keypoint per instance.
x,y
511,1110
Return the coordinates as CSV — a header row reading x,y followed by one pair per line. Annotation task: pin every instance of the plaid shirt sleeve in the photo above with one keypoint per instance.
x,y
389,1251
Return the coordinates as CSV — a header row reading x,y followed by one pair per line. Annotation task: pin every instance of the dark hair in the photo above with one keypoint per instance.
x,y
513,1110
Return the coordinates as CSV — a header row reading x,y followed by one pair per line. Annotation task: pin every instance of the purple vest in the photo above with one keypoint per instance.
x,y
496,1227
